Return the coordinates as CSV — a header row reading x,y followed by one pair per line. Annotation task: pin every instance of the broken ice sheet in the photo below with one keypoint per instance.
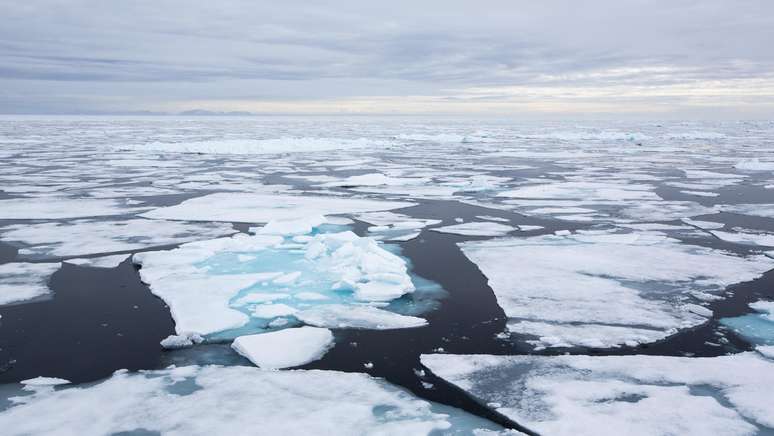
x,y
604,290
757,328
232,286
476,229
285,348
20,281
393,226
81,237
262,208
60,208
206,400
633,395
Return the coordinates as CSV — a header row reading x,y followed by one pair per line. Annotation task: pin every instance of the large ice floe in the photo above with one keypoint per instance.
x,y
235,400
59,208
249,283
80,237
615,395
261,208
20,281
258,146
605,289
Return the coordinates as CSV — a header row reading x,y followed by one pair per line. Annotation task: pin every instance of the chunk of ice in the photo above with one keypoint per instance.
x,y
21,281
285,348
358,317
476,229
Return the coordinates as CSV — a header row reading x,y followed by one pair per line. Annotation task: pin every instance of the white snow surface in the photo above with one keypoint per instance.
x,y
59,208
20,281
603,290
614,395
358,317
262,208
236,400
259,146
476,229
285,348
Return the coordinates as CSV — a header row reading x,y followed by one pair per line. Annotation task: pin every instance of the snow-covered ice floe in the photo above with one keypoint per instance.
x,y
758,327
284,348
259,146
20,281
236,400
60,208
262,208
80,237
264,279
476,229
605,289
615,395
391,226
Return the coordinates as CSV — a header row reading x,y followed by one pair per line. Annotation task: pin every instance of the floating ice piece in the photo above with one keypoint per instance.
x,y
746,237
633,395
357,317
21,281
259,146
395,227
229,400
492,218
761,210
59,208
757,328
82,237
99,262
45,381
376,179
209,290
526,228
587,191
183,340
476,229
285,348
261,208
299,226
705,225
754,165
604,284
700,193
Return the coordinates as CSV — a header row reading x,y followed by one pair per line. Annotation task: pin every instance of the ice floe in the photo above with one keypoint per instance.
x,y
603,290
746,237
612,395
59,208
223,284
285,348
357,317
20,281
258,146
80,237
99,262
476,229
758,327
228,400
262,208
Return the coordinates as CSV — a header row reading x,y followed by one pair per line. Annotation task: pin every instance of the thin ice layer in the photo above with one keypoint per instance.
x,y
261,208
476,229
614,395
21,281
235,400
604,290
285,348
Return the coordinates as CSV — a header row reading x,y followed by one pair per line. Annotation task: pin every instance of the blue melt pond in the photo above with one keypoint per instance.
x,y
758,328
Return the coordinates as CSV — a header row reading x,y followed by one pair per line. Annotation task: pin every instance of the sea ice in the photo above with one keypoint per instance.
x,y
584,190
476,229
21,281
210,290
258,146
285,348
757,328
99,262
183,340
612,288
261,208
59,208
80,237
613,395
235,400
357,317
746,237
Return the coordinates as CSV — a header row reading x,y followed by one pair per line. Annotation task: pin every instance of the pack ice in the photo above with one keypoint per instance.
x,y
20,281
226,400
615,395
248,283
605,289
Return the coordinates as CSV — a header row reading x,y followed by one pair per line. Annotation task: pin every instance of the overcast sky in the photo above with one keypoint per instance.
x,y
565,58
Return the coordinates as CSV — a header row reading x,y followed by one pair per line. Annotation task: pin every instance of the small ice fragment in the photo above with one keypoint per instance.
x,y
285,348
183,340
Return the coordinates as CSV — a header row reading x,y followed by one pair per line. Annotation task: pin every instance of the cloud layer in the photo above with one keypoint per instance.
x,y
670,58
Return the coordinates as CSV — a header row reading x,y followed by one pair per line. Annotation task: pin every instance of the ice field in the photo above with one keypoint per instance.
x,y
385,275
